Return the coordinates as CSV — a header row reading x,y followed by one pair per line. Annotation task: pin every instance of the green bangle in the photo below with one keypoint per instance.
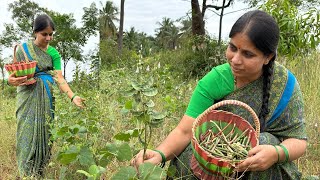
x,y
277,152
73,97
163,162
286,152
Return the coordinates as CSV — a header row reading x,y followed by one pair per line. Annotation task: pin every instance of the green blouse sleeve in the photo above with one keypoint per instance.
x,y
218,83
56,58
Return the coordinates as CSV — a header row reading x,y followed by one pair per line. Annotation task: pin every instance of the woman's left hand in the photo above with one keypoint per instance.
x,y
259,158
78,101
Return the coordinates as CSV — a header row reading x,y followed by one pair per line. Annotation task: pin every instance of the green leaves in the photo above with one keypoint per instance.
x,y
86,157
147,171
299,31
69,156
126,136
93,173
150,92
125,173
121,151
75,153
151,172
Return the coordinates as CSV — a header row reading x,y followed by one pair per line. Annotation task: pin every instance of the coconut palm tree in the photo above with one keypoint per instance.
x,y
131,39
108,14
167,34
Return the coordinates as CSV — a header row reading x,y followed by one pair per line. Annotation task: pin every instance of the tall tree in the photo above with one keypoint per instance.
x,y
24,13
68,38
197,19
130,39
186,26
167,34
120,34
198,15
108,15
90,20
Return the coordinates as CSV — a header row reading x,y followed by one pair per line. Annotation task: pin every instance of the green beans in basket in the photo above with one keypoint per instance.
x,y
228,146
221,139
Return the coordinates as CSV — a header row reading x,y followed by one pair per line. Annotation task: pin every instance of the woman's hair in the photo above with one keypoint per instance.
x,y
263,31
41,22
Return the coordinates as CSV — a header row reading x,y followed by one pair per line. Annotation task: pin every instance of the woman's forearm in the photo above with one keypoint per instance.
x,y
178,139
63,85
296,148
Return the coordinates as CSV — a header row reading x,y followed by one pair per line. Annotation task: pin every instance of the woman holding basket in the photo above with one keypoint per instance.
x,y
35,102
253,77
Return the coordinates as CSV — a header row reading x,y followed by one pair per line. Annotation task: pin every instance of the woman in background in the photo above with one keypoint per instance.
x,y
35,102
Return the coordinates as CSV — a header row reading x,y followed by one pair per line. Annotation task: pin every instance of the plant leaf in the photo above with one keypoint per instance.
x,y
129,93
125,136
124,152
96,170
150,92
125,173
151,171
136,86
157,115
86,157
85,173
150,104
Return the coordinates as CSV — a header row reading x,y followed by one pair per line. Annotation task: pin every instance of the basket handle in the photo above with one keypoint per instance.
x,y
24,53
234,102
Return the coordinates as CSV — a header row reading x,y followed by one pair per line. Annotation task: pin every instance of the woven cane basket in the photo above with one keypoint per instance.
x,y
22,68
204,164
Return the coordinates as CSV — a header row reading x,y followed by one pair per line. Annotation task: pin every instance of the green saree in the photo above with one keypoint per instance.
x,y
285,120
34,112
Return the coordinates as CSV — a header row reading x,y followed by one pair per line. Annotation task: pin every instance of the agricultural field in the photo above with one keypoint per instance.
x,y
83,137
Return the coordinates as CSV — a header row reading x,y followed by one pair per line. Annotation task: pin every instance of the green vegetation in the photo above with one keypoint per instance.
x,y
104,136
125,92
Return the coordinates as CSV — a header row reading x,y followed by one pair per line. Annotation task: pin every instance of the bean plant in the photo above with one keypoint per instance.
x,y
141,110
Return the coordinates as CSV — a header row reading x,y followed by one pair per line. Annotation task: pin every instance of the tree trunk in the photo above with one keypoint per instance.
x,y
197,19
64,68
120,35
220,28
2,73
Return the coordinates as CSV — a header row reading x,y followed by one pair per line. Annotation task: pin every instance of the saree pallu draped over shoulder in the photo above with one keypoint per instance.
x,y
285,120
34,113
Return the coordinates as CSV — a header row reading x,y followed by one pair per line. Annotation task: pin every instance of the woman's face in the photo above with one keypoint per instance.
x,y
44,37
245,59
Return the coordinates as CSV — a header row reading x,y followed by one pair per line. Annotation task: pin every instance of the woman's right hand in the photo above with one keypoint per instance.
x,y
16,81
150,156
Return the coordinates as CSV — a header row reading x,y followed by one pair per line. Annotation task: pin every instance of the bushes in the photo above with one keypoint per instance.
x,y
195,58
9,91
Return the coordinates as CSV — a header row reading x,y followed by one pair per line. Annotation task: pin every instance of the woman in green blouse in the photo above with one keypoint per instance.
x,y
35,101
253,77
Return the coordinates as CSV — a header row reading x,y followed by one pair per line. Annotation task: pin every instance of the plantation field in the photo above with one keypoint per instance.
x,y
82,137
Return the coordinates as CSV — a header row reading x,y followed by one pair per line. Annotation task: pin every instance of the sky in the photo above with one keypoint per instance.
x,y
143,15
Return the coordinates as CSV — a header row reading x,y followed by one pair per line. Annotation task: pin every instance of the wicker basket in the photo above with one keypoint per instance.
x,y
203,164
22,68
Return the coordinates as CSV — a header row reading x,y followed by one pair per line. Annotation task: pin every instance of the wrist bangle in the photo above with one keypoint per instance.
x,y
286,152
277,152
73,97
163,157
